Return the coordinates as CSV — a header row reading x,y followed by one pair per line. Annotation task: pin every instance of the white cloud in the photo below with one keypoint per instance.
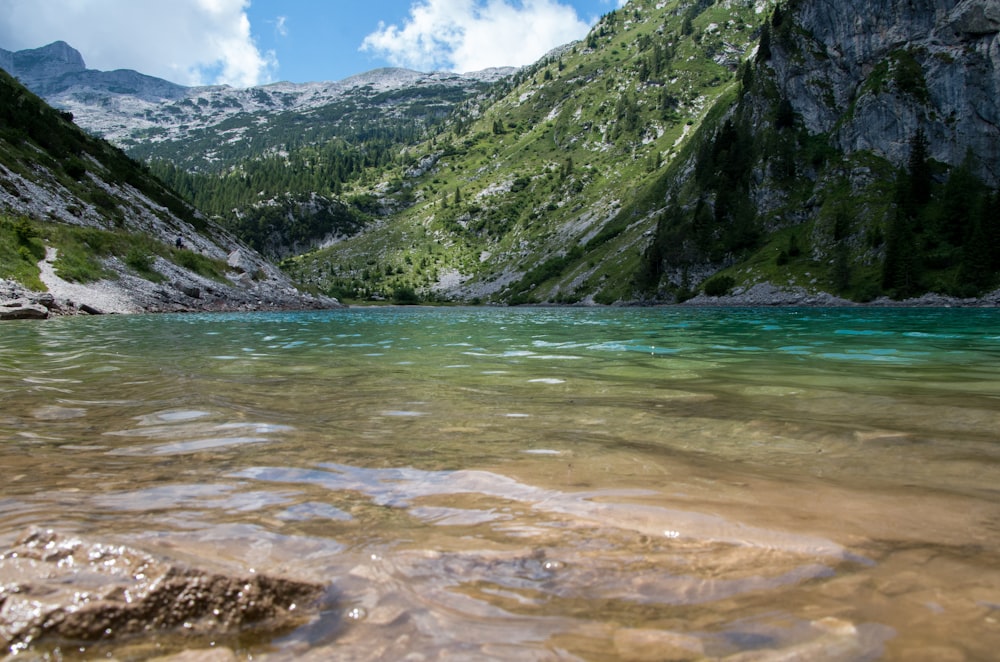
x,y
192,42
470,35
281,26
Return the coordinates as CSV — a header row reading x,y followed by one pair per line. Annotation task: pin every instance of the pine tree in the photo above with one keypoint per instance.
x,y
899,270
919,169
785,116
975,271
746,77
841,273
567,168
961,199
764,47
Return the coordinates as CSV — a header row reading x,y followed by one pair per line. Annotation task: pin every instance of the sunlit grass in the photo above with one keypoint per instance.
x,y
20,251
82,252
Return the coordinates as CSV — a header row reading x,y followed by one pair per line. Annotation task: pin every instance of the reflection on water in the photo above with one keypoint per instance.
x,y
539,484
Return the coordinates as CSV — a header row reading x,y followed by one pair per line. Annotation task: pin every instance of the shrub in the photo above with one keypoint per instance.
x,y
405,295
24,230
75,168
200,264
19,258
719,286
909,76
103,200
142,262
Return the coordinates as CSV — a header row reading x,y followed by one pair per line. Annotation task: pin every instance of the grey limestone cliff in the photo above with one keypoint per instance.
x,y
59,69
42,64
871,72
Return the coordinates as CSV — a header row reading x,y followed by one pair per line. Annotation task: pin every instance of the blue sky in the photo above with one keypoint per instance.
x,y
252,42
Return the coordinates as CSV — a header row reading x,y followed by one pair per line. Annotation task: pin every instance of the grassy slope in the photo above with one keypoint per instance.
x,y
552,176
559,189
43,146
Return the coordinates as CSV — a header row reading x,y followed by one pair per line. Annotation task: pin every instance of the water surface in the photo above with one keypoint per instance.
x,y
538,484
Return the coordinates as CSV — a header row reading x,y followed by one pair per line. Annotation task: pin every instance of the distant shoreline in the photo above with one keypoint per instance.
x,y
762,295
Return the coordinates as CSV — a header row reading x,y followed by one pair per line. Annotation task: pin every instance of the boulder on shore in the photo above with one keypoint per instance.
x,y
23,309
60,588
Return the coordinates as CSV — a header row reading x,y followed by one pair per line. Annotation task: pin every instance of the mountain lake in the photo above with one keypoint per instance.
x,y
535,483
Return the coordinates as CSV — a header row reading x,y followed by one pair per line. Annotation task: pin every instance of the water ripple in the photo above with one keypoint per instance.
x,y
400,486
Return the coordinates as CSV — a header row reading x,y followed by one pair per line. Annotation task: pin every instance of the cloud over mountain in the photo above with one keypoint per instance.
x,y
191,42
470,35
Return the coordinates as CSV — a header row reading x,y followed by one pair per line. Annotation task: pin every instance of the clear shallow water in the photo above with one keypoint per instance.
x,y
539,483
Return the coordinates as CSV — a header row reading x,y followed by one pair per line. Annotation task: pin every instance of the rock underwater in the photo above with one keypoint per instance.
x,y
56,589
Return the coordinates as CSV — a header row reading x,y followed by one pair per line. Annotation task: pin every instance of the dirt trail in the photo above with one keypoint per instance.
x,y
102,295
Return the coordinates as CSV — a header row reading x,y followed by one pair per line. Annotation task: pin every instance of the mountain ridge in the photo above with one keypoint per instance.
x,y
681,148
78,217
58,69
117,104
757,188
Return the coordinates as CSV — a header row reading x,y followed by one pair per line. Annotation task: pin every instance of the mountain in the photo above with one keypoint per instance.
x,y
222,146
859,155
710,148
110,233
58,71
691,148
213,128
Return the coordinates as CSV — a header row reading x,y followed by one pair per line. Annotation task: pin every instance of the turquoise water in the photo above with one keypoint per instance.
x,y
590,484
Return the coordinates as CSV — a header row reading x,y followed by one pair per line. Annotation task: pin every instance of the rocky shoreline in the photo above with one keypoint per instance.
x,y
129,294
18,303
768,294
181,291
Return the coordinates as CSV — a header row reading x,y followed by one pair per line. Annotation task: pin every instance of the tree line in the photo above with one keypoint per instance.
x,y
941,223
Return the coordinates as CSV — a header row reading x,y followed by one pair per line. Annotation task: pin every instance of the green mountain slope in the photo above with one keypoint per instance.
x,y
268,162
109,220
275,178
546,190
684,148
665,155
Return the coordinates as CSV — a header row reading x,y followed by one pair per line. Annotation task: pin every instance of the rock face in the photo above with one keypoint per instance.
x,y
65,589
871,72
59,68
51,62
22,309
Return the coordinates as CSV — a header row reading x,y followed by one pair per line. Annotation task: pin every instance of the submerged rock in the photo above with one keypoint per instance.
x,y
61,588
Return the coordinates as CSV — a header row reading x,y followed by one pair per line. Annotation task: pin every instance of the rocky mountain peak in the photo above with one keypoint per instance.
x,y
59,69
128,107
37,64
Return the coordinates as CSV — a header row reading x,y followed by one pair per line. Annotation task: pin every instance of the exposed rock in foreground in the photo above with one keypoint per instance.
x,y
64,589
22,309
